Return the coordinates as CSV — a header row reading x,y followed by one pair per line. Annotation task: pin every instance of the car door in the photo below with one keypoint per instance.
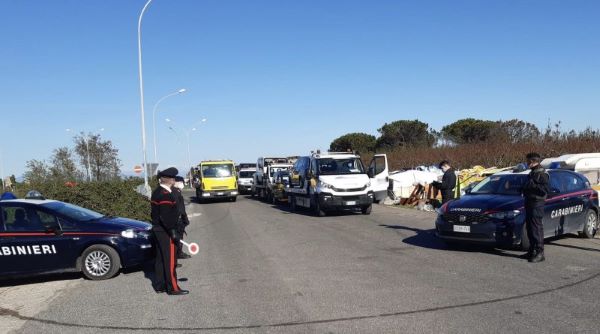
x,y
27,244
579,198
379,174
554,221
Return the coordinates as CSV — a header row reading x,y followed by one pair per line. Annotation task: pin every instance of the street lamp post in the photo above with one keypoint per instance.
x,y
181,91
139,30
187,135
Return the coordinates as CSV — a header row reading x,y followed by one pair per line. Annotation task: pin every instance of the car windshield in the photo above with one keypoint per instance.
x,y
73,211
330,166
246,175
217,170
506,184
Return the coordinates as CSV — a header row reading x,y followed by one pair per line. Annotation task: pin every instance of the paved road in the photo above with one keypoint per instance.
x,y
264,270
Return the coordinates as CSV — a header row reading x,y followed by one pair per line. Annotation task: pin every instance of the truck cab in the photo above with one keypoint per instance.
x,y
331,181
245,180
216,179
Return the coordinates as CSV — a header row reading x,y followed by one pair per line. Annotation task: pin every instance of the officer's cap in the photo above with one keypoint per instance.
x,y
169,172
179,178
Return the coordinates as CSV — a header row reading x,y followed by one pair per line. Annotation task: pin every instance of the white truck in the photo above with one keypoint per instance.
x,y
262,185
245,180
336,181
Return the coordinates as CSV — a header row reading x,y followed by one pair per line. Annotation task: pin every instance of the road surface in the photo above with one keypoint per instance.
x,y
262,269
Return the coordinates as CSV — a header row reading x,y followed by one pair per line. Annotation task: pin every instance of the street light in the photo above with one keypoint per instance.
x,y
187,135
86,138
139,30
181,91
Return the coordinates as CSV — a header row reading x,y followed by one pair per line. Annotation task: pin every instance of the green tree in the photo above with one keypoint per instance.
x,y
36,172
103,157
518,131
357,141
471,130
63,167
405,133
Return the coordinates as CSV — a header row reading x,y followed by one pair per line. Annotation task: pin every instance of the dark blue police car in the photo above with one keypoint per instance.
x,y
492,212
45,236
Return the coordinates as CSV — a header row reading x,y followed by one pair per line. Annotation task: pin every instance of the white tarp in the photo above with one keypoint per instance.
x,y
405,182
414,177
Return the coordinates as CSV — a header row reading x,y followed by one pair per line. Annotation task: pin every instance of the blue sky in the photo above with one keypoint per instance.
x,y
285,77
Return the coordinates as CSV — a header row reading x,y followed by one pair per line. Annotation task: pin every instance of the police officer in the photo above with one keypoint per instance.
x,y
165,216
448,181
183,220
535,192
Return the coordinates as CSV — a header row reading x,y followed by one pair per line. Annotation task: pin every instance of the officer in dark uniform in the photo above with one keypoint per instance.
x,y
448,181
165,216
183,220
535,192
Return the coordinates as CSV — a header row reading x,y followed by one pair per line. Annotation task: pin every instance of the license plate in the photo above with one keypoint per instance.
x,y
219,194
351,203
463,229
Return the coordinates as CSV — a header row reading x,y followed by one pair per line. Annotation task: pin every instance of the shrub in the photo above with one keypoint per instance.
x,y
115,198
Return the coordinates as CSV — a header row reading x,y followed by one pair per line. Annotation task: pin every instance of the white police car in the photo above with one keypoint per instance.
x,y
46,236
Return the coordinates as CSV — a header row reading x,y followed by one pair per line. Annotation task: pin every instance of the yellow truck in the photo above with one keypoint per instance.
x,y
216,179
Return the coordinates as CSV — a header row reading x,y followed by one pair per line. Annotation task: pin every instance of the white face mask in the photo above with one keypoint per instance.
x,y
179,185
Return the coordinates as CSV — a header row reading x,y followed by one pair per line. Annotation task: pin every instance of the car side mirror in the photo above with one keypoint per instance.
x,y
468,190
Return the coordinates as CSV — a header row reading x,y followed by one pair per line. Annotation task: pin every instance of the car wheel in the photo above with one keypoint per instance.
x,y
524,239
367,209
292,200
100,262
233,199
591,224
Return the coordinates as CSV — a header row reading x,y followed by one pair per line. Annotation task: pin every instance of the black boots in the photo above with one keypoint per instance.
x,y
537,257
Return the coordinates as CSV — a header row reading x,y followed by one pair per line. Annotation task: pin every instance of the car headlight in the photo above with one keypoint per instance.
x,y
505,214
129,234
324,185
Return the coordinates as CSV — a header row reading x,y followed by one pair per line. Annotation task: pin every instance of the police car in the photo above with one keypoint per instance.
x,y
492,212
46,236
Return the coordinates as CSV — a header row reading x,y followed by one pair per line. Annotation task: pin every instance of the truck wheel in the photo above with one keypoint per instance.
x,y
367,209
591,224
273,200
100,262
317,208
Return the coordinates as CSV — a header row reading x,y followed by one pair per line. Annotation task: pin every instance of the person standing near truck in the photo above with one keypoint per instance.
x,y
448,181
535,192
165,216
183,220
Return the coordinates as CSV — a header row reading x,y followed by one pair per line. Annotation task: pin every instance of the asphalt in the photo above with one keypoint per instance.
x,y
262,269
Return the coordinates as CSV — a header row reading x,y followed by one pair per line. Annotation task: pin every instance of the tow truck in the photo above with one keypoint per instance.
x,y
336,181
262,185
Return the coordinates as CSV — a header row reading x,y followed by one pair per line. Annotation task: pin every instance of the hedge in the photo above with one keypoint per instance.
x,y
115,198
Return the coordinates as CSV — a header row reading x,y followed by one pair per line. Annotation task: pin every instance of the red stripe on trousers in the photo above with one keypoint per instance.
x,y
172,265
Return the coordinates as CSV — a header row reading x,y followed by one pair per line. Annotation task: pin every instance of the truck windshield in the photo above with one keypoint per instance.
x,y
217,170
508,184
246,174
330,166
